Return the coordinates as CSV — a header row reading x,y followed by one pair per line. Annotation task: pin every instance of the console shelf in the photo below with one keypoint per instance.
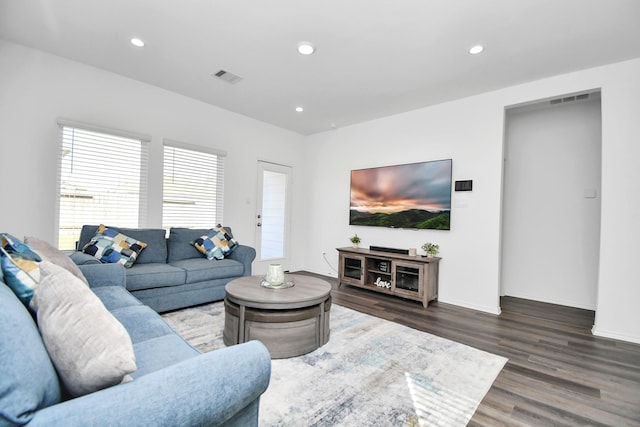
x,y
411,277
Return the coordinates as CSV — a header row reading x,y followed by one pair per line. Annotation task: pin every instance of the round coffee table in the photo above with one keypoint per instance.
x,y
288,321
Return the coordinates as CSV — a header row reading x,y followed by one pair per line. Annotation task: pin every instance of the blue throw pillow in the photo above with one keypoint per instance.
x,y
216,244
19,265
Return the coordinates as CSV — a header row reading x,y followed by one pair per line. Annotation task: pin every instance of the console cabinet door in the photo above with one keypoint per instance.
x,y
352,269
408,279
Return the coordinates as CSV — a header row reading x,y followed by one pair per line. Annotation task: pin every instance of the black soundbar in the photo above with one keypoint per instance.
x,y
392,250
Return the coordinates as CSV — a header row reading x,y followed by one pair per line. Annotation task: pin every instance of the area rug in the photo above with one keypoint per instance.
x,y
372,372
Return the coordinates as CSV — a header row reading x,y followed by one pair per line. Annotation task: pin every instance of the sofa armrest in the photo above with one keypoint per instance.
x,y
206,390
104,274
246,255
80,258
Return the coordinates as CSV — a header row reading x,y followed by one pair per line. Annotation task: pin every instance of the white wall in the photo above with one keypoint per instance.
x,y
36,88
551,229
617,314
470,131
441,132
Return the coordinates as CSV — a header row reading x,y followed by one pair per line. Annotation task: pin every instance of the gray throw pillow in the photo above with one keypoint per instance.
x,y
51,253
90,349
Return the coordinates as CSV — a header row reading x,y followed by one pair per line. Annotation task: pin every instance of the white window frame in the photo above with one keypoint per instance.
x,y
197,200
111,136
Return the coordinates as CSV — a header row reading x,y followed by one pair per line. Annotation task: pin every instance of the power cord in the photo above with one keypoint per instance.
x,y
324,255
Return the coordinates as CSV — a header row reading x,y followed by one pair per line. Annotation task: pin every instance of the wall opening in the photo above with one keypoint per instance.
x,y
551,200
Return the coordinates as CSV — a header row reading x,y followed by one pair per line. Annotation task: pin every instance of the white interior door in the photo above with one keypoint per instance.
x,y
272,216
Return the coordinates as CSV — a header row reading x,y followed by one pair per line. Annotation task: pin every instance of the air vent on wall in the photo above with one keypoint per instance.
x,y
227,76
569,99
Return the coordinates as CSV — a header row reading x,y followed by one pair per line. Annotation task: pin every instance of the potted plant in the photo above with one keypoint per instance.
x,y
355,240
431,249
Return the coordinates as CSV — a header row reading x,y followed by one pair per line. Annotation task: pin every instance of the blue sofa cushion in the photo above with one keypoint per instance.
x,y
115,297
147,276
142,323
180,246
155,344
155,238
201,269
28,381
160,352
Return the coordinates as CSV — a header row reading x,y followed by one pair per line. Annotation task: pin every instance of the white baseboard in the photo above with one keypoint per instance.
x,y
491,310
614,335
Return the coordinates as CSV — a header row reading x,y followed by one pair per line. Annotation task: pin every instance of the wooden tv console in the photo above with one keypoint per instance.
x,y
411,277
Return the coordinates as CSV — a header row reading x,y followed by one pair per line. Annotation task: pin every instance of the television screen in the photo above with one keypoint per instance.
x,y
416,195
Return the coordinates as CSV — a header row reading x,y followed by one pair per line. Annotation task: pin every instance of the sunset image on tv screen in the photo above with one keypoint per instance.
x,y
416,195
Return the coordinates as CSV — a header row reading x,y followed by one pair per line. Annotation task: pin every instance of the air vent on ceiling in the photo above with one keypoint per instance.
x,y
580,97
228,77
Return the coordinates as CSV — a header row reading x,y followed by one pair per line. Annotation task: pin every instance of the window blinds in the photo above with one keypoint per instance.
x,y
193,186
102,180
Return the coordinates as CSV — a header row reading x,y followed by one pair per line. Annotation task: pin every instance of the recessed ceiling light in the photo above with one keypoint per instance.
x,y
476,49
137,42
306,48
299,109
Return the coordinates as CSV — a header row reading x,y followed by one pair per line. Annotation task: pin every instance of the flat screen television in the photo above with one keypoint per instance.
x,y
415,195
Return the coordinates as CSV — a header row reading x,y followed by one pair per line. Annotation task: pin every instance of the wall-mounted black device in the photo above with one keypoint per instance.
x,y
464,185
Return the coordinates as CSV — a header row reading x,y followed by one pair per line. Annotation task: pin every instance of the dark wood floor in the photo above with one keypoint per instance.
x,y
558,373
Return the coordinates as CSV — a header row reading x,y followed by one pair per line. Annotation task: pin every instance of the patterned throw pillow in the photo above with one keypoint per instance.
x,y
216,244
111,246
19,267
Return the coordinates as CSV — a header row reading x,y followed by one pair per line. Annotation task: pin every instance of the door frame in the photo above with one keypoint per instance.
x,y
261,265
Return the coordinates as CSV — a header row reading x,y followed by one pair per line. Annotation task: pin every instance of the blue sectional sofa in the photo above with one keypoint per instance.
x,y
174,385
170,273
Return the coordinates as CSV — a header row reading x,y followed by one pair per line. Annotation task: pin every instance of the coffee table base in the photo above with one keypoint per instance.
x,y
285,333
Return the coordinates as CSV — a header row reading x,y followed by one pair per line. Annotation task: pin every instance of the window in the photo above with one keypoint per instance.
x,y
102,179
193,186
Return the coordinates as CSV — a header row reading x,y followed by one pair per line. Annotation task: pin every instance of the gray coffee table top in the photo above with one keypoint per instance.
x,y
306,292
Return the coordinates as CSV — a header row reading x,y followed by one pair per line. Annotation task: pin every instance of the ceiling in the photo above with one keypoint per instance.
x,y
374,58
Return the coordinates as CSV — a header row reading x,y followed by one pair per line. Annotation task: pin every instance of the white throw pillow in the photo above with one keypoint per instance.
x,y
90,349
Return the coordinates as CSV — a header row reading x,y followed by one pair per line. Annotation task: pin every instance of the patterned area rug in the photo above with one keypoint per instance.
x,y
372,372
